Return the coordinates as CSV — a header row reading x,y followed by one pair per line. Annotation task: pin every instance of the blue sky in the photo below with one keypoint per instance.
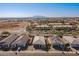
x,y
43,9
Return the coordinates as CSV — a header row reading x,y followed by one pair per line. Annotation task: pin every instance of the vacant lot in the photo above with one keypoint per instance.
x,y
13,26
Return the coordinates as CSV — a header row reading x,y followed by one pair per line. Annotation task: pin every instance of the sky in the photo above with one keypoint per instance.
x,y
42,9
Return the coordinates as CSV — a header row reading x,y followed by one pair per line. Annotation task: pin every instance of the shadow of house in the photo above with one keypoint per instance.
x,y
20,43
39,43
60,44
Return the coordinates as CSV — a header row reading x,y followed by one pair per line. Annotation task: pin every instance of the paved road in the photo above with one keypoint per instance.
x,y
37,53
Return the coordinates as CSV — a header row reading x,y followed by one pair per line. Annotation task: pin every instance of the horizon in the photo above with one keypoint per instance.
x,y
19,10
44,17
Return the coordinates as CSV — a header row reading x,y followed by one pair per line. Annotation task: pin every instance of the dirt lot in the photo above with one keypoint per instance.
x,y
13,26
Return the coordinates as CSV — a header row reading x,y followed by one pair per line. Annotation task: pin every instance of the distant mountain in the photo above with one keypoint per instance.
x,y
38,16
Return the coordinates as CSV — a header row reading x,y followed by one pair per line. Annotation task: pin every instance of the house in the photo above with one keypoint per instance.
x,y
6,43
70,38
64,27
4,34
75,43
21,43
60,44
42,27
39,42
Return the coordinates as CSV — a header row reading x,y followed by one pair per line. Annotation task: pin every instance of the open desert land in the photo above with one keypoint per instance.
x,y
17,27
